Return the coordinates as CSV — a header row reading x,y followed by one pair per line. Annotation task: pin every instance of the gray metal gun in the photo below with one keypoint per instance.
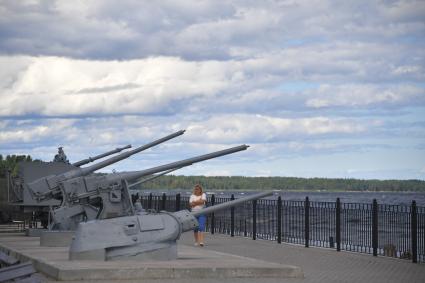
x,y
47,187
147,236
28,172
107,196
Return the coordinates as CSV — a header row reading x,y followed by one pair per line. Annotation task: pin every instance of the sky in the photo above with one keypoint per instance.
x,y
328,89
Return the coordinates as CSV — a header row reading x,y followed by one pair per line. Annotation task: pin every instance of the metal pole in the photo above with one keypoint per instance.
x,y
254,219
375,227
279,220
414,232
164,200
212,215
8,184
232,218
150,201
307,222
178,202
48,218
338,224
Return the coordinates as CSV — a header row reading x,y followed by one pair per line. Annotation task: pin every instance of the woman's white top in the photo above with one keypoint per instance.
x,y
196,198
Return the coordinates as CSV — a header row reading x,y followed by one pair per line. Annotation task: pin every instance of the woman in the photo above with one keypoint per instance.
x,y
197,201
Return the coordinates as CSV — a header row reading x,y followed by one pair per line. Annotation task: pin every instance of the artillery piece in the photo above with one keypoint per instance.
x,y
18,194
48,186
30,171
145,236
102,197
85,196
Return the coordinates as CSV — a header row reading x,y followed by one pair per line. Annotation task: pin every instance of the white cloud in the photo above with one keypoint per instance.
x,y
58,86
197,29
55,86
28,132
237,128
364,95
291,78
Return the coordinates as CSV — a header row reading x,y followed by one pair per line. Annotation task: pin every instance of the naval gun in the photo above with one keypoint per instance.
x,y
28,172
48,187
107,196
144,236
21,199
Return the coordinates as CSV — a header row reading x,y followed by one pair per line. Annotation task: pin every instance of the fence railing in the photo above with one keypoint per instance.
x,y
378,229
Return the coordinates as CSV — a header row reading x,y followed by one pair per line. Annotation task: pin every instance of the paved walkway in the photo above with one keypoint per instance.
x,y
319,265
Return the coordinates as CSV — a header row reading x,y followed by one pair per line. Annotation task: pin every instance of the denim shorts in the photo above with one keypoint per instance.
x,y
202,219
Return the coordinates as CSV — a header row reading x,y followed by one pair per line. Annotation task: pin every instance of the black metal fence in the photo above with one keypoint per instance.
x,y
378,229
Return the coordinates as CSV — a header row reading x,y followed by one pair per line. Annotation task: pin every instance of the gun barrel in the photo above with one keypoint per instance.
x,y
91,159
124,155
232,203
131,176
153,177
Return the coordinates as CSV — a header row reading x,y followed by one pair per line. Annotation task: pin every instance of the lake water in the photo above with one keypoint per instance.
x,y
394,198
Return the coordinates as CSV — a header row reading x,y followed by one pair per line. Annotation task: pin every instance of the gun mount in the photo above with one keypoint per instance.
x,y
107,196
140,237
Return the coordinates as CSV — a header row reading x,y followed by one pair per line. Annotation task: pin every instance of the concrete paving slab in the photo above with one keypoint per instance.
x,y
56,238
193,262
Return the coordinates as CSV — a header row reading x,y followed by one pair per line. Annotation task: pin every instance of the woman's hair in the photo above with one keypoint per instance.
x,y
197,186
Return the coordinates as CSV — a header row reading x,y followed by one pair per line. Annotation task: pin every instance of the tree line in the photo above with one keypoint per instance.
x,y
10,162
281,183
251,183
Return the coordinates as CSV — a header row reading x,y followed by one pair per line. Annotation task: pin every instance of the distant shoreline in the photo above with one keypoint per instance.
x,y
292,184
291,191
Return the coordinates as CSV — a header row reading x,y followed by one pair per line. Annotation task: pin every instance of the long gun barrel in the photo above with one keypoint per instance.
x,y
153,177
124,155
131,176
91,159
44,185
188,219
231,203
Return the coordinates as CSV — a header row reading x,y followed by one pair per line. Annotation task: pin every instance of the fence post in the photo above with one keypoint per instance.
x,y
212,215
232,218
164,200
178,202
150,201
338,224
414,232
307,221
254,219
279,220
375,227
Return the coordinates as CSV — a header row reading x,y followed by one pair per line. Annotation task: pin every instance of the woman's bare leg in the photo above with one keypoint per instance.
x,y
201,238
196,235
